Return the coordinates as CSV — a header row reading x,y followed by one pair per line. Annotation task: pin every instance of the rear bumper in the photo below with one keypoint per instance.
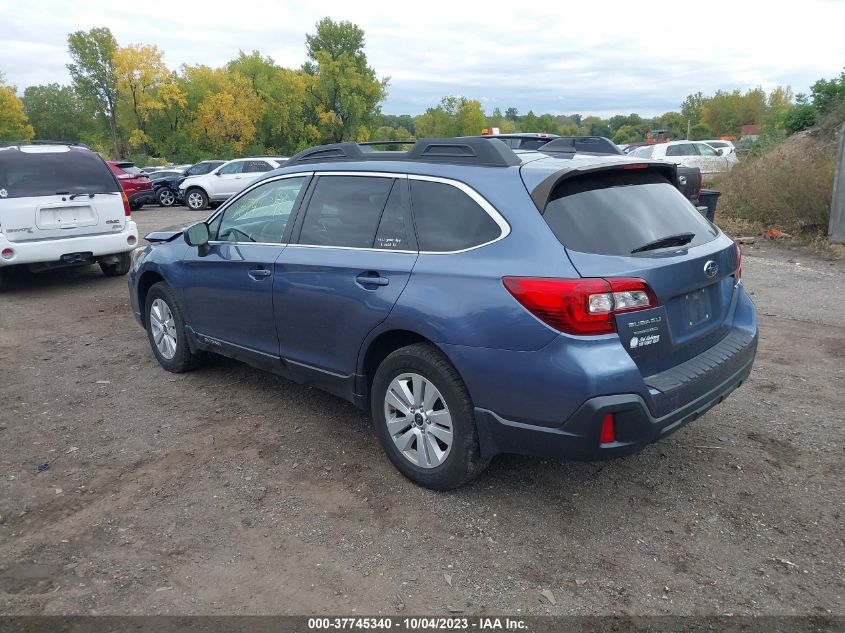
x,y
42,251
636,426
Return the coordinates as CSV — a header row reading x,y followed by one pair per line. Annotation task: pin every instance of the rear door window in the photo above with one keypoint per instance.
x,y
345,211
447,219
394,229
25,174
684,149
616,213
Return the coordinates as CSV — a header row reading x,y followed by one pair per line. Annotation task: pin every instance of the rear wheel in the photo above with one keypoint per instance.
x,y
166,331
119,266
165,197
196,199
424,418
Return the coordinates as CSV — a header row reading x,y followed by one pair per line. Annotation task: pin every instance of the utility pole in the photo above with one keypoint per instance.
x,y
837,205
688,122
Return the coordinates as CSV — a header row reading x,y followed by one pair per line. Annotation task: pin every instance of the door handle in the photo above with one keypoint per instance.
x,y
259,273
371,278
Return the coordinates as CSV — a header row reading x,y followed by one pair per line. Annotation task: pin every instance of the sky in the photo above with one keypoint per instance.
x,y
598,57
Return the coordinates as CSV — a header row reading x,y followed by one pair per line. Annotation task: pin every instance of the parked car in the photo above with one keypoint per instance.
x,y
135,183
474,299
690,154
224,181
523,140
165,186
61,205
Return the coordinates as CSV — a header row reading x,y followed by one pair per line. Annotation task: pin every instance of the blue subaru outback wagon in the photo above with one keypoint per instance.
x,y
478,300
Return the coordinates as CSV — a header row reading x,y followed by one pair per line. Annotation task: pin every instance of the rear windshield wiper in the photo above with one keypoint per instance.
x,y
670,240
91,194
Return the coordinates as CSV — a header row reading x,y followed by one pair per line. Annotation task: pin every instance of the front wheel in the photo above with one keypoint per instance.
x,y
166,331
196,199
165,197
424,418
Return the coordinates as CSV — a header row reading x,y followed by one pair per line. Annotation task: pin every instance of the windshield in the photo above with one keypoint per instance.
x,y
618,213
25,174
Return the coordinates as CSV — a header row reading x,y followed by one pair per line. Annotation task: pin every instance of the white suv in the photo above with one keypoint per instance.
x,y
60,205
222,183
690,154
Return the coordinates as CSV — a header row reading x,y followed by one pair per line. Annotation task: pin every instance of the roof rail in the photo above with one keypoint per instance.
x,y
460,150
44,142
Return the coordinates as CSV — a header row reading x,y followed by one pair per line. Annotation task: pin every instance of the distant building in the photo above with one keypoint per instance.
x,y
750,132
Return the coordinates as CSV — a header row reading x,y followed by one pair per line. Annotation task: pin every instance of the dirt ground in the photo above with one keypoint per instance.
x,y
229,490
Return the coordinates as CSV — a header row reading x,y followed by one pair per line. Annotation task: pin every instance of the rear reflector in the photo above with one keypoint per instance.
x,y
131,240
8,253
608,430
580,306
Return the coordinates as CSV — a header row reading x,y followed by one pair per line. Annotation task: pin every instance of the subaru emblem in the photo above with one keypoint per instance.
x,y
711,269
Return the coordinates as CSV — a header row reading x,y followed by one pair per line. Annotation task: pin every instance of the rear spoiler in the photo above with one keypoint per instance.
x,y
542,192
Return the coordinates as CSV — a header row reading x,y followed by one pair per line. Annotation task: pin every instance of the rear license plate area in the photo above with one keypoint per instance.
x,y
77,258
698,308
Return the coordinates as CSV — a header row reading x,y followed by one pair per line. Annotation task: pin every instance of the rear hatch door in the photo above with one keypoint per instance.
x,y
614,224
50,192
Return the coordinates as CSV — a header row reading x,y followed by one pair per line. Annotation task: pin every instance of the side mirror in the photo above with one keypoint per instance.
x,y
722,151
216,173
197,234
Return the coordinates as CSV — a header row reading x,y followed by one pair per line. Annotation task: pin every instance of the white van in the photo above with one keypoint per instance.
x,y
60,205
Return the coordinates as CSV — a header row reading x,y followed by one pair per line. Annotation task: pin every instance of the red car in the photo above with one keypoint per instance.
x,y
136,184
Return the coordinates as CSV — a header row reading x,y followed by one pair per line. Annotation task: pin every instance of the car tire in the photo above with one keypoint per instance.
x,y
136,206
165,197
446,468
118,268
174,354
196,199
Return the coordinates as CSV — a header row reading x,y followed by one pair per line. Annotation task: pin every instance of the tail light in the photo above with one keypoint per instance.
x,y
8,253
580,306
127,211
738,262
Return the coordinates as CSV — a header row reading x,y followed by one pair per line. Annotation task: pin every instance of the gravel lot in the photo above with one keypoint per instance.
x,y
229,490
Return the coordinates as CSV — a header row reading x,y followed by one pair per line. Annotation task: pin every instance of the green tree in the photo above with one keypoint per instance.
x,y
57,113
335,39
453,116
674,124
800,117
93,73
512,114
826,94
14,125
691,107
699,132
627,134
344,99
596,126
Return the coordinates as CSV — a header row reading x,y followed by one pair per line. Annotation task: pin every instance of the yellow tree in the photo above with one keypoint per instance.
x,y
147,83
227,115
14,125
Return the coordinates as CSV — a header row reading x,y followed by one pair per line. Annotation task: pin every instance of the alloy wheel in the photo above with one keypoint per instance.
x,y
163,328
418,420
195,200
166,197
